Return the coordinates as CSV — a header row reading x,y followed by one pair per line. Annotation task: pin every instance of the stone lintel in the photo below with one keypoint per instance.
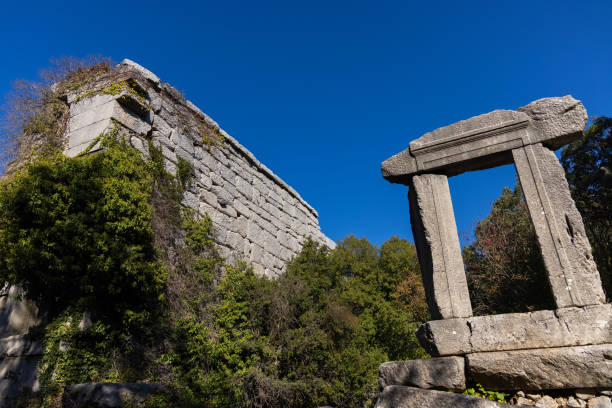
x,y
565,248
397,396
435,235
446,373
543,369
572,326
486,140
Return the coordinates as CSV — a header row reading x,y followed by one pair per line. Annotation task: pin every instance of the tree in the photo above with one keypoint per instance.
x,y
588,167
504,265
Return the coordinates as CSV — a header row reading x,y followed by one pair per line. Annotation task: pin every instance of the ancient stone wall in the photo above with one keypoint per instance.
x,y
256,216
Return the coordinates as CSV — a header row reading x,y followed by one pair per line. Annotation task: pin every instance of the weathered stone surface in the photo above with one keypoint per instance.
x,y
17,314
447,373
572,272
18,376
228,172
573,326
129,64
558,120
542,369
547,402
18,346
435,235
107,395
600,402
486,140
445,337
396,396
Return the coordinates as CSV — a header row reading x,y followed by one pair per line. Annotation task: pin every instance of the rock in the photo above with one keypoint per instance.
x,y
106,395
442,373
546,402
534,397
600,402
565,248
435,235
525,401
19,345
585,393
538,369
445,337
574,403
573,326
484,141
148,75
17,314
85,322
18,376
396,396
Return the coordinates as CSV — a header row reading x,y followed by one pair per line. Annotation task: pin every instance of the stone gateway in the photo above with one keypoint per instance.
x,y
570,347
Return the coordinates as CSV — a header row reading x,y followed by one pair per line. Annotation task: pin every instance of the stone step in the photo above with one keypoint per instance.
x,y
543,369
396,396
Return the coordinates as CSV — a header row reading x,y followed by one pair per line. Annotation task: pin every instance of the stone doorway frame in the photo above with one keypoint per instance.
x,y
527,138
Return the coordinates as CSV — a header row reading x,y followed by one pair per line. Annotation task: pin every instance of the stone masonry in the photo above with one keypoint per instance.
x,y
566,348
256,215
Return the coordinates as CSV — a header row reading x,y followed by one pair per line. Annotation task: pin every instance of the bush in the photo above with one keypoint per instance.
x,y
314,336
78,232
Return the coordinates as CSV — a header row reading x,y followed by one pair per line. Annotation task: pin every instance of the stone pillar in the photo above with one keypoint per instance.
x,y
572,273
435,235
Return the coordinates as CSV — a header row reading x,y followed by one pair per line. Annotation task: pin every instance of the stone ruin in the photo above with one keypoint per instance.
x,y
255,215
566,348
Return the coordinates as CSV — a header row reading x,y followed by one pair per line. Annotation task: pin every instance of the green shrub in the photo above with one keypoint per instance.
x,y
314,336
480,392
77,231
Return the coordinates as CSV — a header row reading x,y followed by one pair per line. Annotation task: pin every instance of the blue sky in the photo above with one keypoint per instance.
x,y
322,91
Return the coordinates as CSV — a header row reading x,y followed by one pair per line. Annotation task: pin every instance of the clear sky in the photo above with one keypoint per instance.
x,y
323,91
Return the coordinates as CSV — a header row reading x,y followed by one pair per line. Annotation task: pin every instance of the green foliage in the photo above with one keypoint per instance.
x,y
78,231
480,392
314,336
184,172
504,266
588,166
74,355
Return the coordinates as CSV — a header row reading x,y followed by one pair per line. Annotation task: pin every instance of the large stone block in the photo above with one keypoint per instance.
x,y
435,235
148,75
17,314
447,373
486,140
396,396
543,369
107,395
574,326
19,345
572,272
18,376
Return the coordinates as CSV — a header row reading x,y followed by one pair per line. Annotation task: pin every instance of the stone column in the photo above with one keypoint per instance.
x,y
572,273
435,235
